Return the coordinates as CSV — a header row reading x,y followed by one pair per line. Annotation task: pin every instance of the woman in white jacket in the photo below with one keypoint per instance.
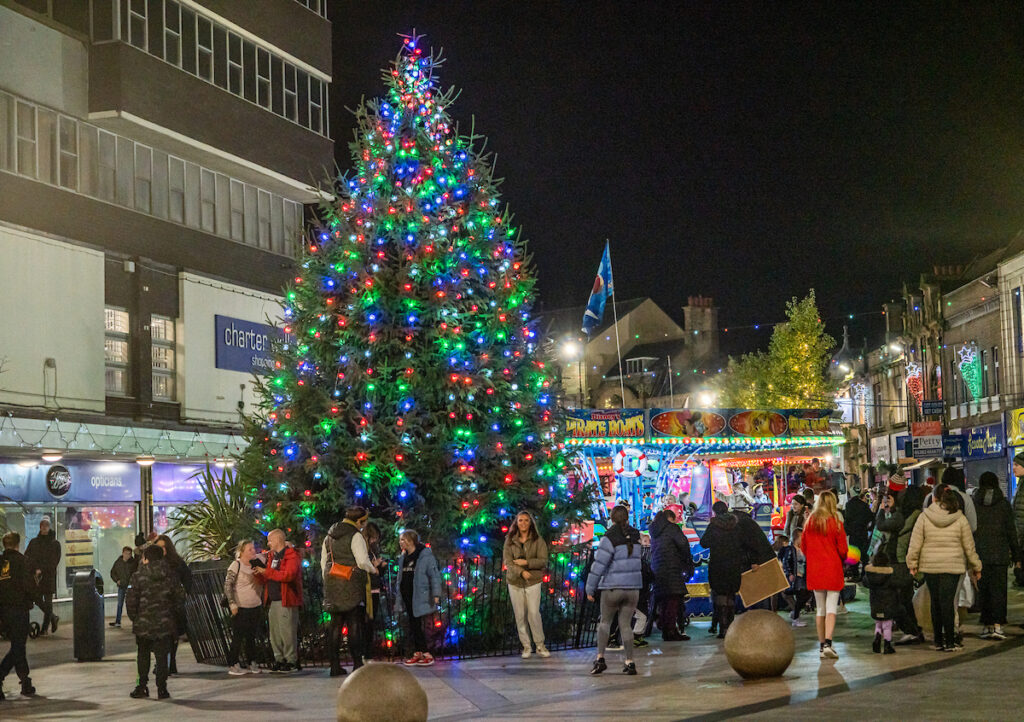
x,y
942,547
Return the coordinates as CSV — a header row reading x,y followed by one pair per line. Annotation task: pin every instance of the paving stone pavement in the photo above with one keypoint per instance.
x,y
676,681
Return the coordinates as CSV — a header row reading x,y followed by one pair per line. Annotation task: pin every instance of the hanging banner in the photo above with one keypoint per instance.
x,y
953,446
927,438
604,423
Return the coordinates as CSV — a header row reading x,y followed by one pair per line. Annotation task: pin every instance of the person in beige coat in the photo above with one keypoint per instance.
x,y
942,547
526,556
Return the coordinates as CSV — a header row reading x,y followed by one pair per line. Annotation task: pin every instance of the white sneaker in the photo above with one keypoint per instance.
x,y
236,671
830,652
997,634
986,633
543,651
526,653
253,669
799,623
614,647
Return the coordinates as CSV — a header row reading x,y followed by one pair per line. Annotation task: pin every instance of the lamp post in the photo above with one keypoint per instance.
x,y
573,350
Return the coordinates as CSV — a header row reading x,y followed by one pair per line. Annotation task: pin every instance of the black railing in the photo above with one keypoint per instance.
x,y
475,617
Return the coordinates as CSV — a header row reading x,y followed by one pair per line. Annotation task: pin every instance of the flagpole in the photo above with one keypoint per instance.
x,y
615,316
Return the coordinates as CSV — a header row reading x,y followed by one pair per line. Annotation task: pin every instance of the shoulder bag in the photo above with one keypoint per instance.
x,y
339,571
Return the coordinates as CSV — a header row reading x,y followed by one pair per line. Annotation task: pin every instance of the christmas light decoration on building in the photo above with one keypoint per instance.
x,y
970,369
915,386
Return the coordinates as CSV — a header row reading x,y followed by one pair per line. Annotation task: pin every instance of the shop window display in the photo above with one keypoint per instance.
x,y
90,536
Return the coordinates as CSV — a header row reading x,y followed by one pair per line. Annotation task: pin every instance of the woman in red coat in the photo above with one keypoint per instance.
x,y
824,545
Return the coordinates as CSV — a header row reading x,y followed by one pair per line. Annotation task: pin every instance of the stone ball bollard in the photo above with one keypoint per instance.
x,y
759,644
381,693
923,609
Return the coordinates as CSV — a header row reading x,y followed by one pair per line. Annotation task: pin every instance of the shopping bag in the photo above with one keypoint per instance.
x,y
639,622
965,595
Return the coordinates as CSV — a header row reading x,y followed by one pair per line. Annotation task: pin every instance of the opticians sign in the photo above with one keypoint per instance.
x,y
244,345
71,481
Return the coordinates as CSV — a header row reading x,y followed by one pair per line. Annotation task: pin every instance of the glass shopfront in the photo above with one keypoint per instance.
x,y
92,506
174,485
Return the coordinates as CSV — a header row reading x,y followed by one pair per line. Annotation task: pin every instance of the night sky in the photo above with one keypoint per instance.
x,y
746,154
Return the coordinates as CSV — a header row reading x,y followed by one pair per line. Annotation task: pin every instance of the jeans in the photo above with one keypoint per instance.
x,y
992,594
620,603
15,620
284,632
159,648
526,607
353,622
120,603
943,589
244,627
46,604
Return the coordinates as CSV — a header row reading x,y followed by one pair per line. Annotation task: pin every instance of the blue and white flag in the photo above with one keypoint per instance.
x,y
602,290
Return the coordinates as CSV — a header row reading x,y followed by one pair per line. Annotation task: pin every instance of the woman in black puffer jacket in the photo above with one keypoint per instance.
x,y
672,564
997,545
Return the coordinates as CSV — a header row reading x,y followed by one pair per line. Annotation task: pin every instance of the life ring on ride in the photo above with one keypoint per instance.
x,y
619,462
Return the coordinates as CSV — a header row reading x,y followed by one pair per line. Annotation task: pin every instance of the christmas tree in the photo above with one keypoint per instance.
x,y
792,374
411,379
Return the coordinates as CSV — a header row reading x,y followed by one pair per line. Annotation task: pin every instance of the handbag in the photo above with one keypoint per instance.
x,y
339,571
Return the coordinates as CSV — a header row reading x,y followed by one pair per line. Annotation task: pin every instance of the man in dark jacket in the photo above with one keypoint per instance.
x,y
17,594
154,599
997,545
121,575
42,557
857,519
672,564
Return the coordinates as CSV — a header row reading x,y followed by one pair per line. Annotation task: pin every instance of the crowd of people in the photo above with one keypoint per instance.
x,y
893,539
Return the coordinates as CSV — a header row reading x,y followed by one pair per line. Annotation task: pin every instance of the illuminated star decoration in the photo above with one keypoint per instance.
x,y
914,383
970,369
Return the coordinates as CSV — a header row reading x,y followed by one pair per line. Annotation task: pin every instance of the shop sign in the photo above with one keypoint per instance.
x,y
953,446
604,423
880,449
904,449
58,481
984,441
244,345
927,438
1015,428
176,483
753,423
72,481
933,407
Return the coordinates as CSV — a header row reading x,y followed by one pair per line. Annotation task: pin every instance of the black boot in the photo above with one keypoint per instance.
x,y
876,646
27,690
887,648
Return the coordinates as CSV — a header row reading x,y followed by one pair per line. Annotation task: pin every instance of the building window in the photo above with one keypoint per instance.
x,y
137,26
172,33
263,77
995,370
115,344
237,209
25,133
1017,329
107,166
263,218
315,106
162,335
984,373
99,164
234,64
634,366
877,399
176,189
204,48
143,178
68,153
208,200
291,94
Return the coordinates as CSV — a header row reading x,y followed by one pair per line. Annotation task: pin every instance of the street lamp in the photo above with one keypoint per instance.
x,y
573,350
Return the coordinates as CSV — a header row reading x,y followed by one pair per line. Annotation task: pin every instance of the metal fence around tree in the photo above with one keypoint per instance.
x,y
475,617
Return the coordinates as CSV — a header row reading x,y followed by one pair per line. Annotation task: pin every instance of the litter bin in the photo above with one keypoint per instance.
x,y
87,606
